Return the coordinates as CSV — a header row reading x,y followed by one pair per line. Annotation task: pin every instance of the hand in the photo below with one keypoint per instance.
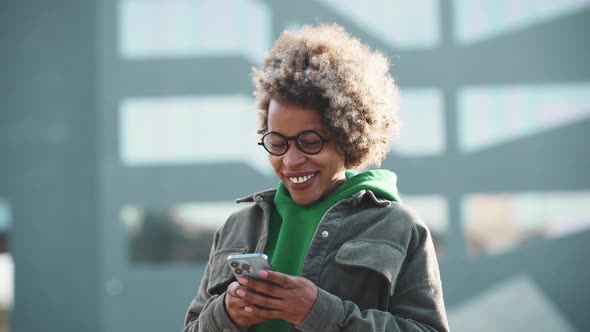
x,y
234,306
287,297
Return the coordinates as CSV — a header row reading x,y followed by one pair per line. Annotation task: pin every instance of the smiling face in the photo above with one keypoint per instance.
x,y
307,177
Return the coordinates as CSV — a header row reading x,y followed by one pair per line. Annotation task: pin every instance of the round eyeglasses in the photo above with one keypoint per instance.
x,y
308,141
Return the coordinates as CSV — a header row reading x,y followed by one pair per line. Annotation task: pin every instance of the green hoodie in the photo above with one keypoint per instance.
x,y
293,226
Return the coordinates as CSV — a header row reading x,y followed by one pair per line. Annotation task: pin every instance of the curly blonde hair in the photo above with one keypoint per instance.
x,y
324,68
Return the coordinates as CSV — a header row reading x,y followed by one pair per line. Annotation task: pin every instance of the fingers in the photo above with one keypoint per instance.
x,y
264,312
291,302
234,305
232,288
263,287
260,300
276,284
279,278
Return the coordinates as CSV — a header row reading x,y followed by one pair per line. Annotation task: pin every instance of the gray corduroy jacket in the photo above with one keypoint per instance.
x,y
372,259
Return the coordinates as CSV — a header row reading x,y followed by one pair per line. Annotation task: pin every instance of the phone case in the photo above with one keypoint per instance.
x,y
248,265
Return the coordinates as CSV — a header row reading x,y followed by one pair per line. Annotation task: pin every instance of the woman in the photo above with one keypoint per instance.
x,y
346,254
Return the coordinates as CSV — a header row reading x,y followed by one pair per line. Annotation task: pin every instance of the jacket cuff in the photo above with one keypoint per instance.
x,y
325,314
217,319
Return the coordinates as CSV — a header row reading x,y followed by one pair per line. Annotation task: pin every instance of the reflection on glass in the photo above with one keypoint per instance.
x,y
482,19
422,123
490,116
6,267
180,130
400,24
496,223
434,211
181,233
5,217
182,28
6,289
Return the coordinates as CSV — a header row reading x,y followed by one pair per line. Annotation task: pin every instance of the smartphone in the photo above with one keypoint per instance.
x,y
248,265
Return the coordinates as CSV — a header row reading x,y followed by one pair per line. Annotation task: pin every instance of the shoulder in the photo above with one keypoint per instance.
x,y
392,221
403,214
248,221
241,218
252,204
386,212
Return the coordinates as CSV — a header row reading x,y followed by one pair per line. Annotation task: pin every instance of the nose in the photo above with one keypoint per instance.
x,y
294,157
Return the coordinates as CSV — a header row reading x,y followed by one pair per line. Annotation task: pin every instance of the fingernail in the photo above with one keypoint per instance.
x,y
240,292
248,309
243,281
263,273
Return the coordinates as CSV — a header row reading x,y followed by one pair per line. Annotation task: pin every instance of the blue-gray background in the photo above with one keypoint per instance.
x,y
126,129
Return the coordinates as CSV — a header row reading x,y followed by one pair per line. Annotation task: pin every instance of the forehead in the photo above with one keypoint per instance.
x,y
291,119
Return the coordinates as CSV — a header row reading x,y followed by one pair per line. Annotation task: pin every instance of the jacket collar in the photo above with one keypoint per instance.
x,y
267,196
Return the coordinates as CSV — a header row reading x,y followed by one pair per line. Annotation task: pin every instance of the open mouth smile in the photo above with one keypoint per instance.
x,y
301,179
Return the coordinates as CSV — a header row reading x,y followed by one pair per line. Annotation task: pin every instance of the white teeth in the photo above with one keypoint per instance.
x,y
301,179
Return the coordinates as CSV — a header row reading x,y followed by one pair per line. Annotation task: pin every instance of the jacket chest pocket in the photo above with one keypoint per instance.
x,y
381,258
220,275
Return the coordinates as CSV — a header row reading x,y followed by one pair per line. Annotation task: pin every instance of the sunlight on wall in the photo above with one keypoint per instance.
x,y
476,20
181,28
496,223
494,115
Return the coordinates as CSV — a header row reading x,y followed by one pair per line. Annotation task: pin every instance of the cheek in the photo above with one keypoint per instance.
x,y
275,162
334,160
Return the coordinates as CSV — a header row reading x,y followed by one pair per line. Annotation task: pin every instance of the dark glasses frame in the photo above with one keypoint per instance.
x,y
293,138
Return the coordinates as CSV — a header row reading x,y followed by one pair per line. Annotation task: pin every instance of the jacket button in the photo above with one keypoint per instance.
x,y
325,233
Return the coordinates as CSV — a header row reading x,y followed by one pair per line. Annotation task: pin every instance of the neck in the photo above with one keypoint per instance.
x,y
337,183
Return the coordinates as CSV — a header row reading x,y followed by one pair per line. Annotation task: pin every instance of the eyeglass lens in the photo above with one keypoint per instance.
x,y
308,141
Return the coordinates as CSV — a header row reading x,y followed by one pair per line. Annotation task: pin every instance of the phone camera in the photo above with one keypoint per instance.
x,y
234,264
238,271
246,267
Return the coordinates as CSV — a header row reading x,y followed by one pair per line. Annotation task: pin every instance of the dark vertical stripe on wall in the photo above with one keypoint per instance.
x,y
48,161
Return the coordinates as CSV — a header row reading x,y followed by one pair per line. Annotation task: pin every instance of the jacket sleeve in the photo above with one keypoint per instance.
x,y
207,310
416,305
